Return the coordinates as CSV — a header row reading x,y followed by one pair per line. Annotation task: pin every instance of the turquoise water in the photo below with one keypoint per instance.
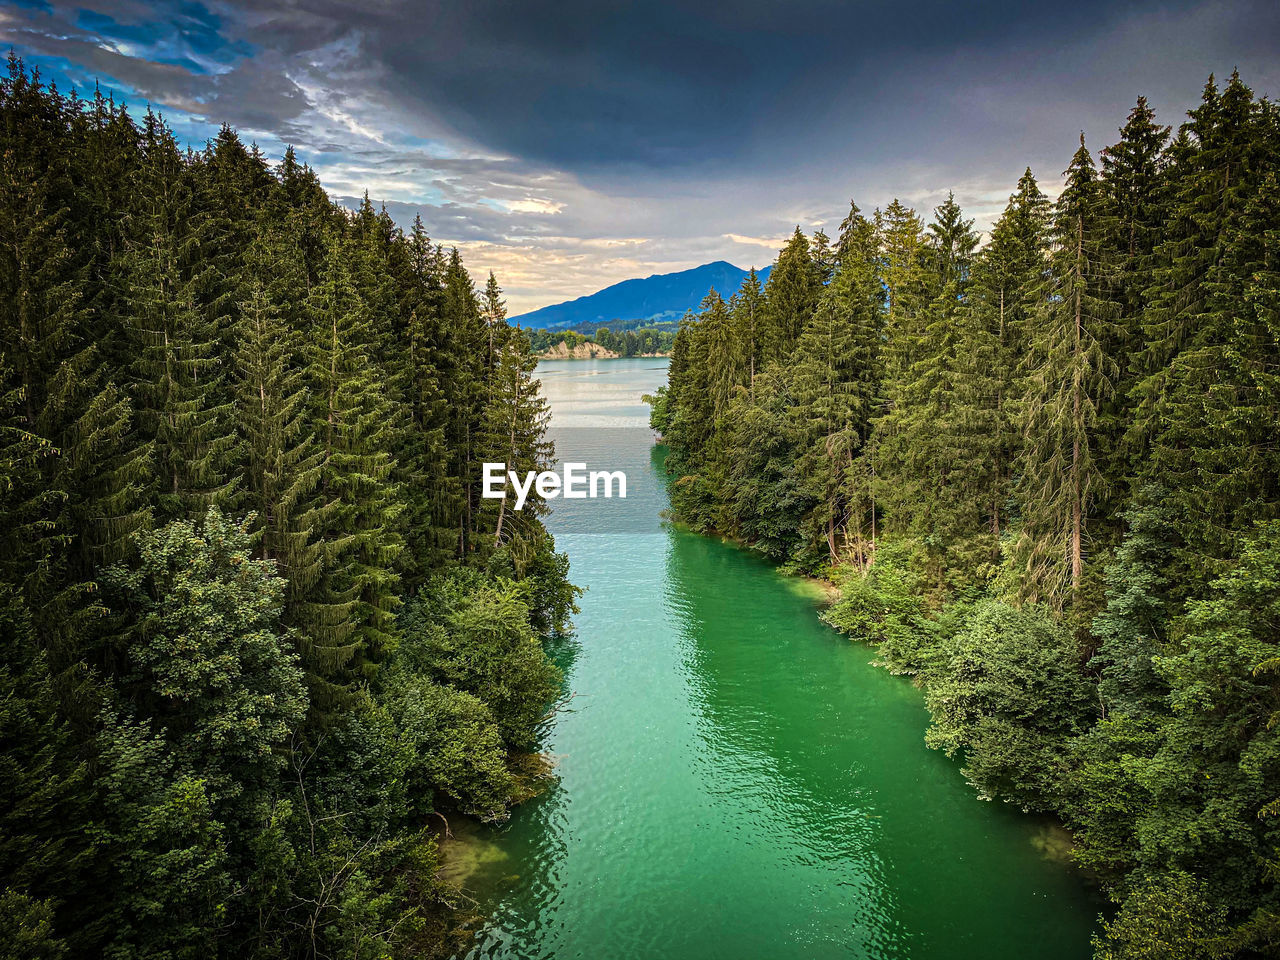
x,y
735,779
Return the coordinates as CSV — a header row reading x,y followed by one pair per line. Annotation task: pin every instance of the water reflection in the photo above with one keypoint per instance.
x,y
735,781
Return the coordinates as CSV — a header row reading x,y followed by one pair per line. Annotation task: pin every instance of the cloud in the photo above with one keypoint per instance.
x,y
571,145
770,243
533,205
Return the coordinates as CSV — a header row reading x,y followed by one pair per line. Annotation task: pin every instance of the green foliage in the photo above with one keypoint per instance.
x,y
1044,474
1172,919
1069,377
206,663
1006,692
1133,628
884,607
457,747
639,342
476,636
237,424
26,929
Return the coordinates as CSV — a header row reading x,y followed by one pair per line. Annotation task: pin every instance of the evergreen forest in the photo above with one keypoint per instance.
x,y
640,342
1043,468
262,636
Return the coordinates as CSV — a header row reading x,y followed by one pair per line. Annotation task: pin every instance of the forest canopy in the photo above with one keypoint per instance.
x,y
1044,466
260,631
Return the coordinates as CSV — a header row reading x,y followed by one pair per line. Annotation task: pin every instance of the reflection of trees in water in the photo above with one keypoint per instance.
x,y
521,885
514,869
728,607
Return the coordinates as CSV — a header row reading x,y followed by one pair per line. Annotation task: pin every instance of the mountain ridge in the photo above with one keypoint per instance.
x,y
657,297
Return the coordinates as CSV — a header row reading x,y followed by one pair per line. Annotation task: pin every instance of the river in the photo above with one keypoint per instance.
x,y
735,780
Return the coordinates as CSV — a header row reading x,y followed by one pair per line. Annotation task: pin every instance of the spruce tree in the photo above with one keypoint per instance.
x,y
935,490
432,493
1202,427
278,457
1131,217
467,339
833,387
347,617
1007,282
176,378
75,505
747,315
516,419
791,294
1068,376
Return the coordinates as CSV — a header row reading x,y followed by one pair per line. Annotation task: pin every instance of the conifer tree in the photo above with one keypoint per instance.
x,y
1131,216
278,458
1201,425
724,354
934,492
747,315
903,270
74,506
432,493
494,310
1060,478
347,616
176,380
791,294
833,384
516,418
1007,282
467,339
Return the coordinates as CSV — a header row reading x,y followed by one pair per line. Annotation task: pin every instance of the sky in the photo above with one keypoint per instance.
x,y
570,145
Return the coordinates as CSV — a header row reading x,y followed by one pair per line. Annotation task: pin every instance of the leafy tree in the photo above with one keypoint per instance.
x,y
1007,693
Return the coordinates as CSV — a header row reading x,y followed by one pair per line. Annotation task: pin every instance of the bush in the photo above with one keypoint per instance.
x,y
884,608
1007,693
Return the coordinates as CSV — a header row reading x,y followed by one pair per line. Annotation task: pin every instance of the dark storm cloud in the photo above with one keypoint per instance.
x,y
582,84
574,144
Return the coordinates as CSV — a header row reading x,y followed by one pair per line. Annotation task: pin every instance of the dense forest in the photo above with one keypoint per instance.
x,y
261,634
1044,470
640,342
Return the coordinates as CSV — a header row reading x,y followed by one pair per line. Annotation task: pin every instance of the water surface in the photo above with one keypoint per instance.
x,y
735,779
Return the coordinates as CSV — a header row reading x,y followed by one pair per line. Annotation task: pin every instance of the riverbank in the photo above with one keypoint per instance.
x,y
591,351
734,777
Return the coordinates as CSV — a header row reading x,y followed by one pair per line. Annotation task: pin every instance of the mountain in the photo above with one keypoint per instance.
x,y
663,296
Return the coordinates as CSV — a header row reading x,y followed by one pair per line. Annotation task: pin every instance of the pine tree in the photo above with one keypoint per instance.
x,y
494,310
1201,426
432,493
176,378
933,482
1131,217
516,418
1007,282
1060,478
903,270
747,316
952,242
74,506
833,386
347,617
278,458
464,379
725,359
791,294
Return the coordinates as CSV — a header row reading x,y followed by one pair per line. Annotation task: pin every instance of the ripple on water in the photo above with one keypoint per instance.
x,y
736,781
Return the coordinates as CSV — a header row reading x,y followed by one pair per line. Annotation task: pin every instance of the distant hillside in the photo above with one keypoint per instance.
x,y
663,296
